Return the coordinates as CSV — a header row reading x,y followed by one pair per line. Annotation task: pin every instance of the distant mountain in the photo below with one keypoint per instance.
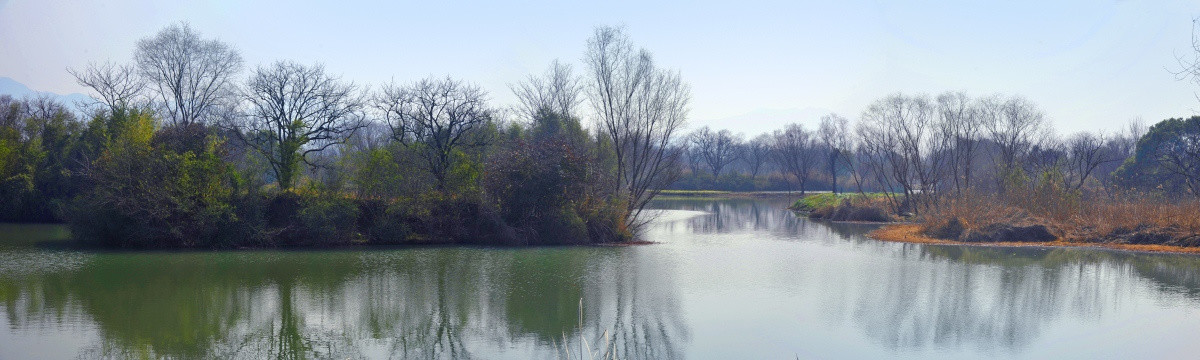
x,y
8,86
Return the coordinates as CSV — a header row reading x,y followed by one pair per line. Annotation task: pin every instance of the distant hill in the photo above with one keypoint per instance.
x,y
8,86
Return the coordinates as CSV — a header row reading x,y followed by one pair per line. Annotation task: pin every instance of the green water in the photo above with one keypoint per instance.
x,y
727,279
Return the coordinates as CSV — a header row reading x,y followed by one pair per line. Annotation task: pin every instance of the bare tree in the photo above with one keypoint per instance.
x,y
116,86
557,91
692,156
1120,146
639,107
43,107
880,159
832,133
439,116
795,152
1085,153
718,149
1048,156
295,111
192,76
959,120
1016,125
757,152
1189,63
905,148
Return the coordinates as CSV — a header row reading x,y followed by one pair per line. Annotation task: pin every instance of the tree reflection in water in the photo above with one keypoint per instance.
x,y
928,296
461,302
407,303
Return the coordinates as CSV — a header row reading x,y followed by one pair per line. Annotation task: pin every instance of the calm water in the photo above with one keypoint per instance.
x,y
729,279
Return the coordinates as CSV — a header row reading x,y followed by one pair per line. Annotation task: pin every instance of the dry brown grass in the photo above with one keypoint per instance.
x,y
1104,218
914,233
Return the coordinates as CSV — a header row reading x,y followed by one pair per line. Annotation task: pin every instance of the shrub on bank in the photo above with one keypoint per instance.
x,y
144,193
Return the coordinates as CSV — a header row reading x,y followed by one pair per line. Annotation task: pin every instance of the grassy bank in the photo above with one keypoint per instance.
x,y
719,194
868,207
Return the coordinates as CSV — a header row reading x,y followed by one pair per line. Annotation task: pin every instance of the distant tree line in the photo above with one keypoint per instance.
x,y
907,145
182,149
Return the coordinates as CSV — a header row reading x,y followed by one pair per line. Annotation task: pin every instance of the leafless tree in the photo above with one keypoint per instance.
x,y
1085,153
44,107
756,153
718,149
832,132
959,120
557,91
639,107
295,111
436,117
880,158
116,86
1016,125
1189,62
901,138
192,76
795,152
1120,146
1048,156
691,157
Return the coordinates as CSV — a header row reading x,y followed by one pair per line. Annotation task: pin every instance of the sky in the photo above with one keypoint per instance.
x,y
753,66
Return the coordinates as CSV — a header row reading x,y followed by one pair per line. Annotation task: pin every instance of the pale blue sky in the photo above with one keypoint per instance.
x,y
753,66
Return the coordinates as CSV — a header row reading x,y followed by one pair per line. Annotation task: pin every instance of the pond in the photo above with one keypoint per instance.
x,y
726,279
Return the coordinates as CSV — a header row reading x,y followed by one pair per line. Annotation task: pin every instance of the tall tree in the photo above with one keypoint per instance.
x,y
958,120
1085,153
832,134
437,117
639,107
757,152
1016,126
718,149
904,149
192,76
297,110
795,152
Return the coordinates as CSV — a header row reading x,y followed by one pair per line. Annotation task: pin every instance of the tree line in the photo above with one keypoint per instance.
x,y
907,145
183,149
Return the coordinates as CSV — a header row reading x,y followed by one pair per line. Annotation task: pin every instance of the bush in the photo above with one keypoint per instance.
x,y
385,223
146,196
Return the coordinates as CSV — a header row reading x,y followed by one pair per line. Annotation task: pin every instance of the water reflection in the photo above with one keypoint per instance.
x,y
424,303
913,297
823,285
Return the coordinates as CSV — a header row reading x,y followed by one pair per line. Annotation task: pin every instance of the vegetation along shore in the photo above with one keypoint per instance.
x,y
180,149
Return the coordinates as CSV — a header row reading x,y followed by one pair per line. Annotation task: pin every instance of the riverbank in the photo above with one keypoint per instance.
x,y
912,233
720,194
845,207
1134,222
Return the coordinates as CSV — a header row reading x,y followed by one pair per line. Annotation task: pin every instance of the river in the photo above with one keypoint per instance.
x,y
726,279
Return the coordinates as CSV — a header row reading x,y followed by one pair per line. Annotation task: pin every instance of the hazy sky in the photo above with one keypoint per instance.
x,y
752,66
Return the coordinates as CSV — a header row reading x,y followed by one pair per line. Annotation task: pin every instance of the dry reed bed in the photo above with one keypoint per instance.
x,y
1135,222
